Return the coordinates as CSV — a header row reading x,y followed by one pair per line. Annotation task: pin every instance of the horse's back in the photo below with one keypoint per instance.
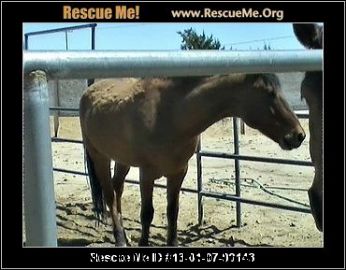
x,y
109,92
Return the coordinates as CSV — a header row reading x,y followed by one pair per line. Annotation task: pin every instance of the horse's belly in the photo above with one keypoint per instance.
x,y
166,160
119,152
171,159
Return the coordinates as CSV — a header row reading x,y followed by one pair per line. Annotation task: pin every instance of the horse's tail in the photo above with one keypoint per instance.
x,y
96,189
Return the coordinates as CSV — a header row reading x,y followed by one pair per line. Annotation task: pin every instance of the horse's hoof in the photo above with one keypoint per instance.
x,y
123,244
143,243
172,243
120,239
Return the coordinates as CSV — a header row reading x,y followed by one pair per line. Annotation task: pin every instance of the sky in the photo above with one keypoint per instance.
x,y
163,36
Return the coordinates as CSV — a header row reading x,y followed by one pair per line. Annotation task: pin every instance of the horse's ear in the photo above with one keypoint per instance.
x,y
259,82
309,35
262,81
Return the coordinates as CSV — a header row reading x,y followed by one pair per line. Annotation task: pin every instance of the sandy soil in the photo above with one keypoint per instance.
x,y
261,226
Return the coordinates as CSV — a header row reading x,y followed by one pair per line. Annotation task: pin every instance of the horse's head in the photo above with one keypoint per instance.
x,y
266,109
309,35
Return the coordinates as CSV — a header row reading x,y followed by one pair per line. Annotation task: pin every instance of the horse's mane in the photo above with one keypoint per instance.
x,y
269,79
189,83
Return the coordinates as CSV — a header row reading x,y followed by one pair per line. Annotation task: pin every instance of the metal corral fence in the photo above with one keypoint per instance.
x,y
55,84
39,199
199,154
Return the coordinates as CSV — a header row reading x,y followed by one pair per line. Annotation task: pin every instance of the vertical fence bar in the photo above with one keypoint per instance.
x,y
93,37
39,200
66,40
26,40
237,169
199,182
242,127
91,81
56,103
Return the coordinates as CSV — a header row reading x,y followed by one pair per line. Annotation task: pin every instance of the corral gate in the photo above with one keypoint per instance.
x,y
39,199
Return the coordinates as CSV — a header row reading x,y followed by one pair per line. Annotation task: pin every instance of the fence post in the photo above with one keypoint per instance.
x,y
56,103
39,200
237,169
26,42
242,127
91,81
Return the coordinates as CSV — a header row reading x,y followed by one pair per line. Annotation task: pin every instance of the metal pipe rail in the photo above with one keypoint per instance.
x,y
70,28
64,109
302,115
105,64
299,115
57,139
40,218
236,170
254,158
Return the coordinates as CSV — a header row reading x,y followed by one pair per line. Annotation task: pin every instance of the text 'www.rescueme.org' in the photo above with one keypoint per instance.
x,y
265,13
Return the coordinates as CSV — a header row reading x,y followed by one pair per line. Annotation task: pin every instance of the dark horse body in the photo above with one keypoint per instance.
x,y
155,124
311,36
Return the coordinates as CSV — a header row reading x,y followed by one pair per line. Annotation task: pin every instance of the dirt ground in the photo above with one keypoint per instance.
x,y
261,226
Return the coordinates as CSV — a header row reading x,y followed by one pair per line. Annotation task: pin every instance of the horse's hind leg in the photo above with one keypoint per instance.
x,y
120,172
102,171
146,182
174,182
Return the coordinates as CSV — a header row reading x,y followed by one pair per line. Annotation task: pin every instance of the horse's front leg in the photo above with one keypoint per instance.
x,y
174,182
146,182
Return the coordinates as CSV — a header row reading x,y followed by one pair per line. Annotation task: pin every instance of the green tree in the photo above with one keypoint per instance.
x,y
193,41
267,47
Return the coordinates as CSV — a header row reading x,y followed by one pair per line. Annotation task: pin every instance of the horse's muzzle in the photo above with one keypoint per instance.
x,y
293,140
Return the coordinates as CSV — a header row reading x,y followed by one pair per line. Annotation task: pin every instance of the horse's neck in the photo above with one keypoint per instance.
x,y
214,99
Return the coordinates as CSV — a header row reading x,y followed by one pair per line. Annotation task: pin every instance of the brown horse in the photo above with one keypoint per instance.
x,y
311,35
155,123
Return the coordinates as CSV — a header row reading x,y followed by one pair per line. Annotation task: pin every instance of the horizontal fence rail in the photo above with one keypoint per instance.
x,y
104,64
64,109
299,115
254,158
57,139
70,28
